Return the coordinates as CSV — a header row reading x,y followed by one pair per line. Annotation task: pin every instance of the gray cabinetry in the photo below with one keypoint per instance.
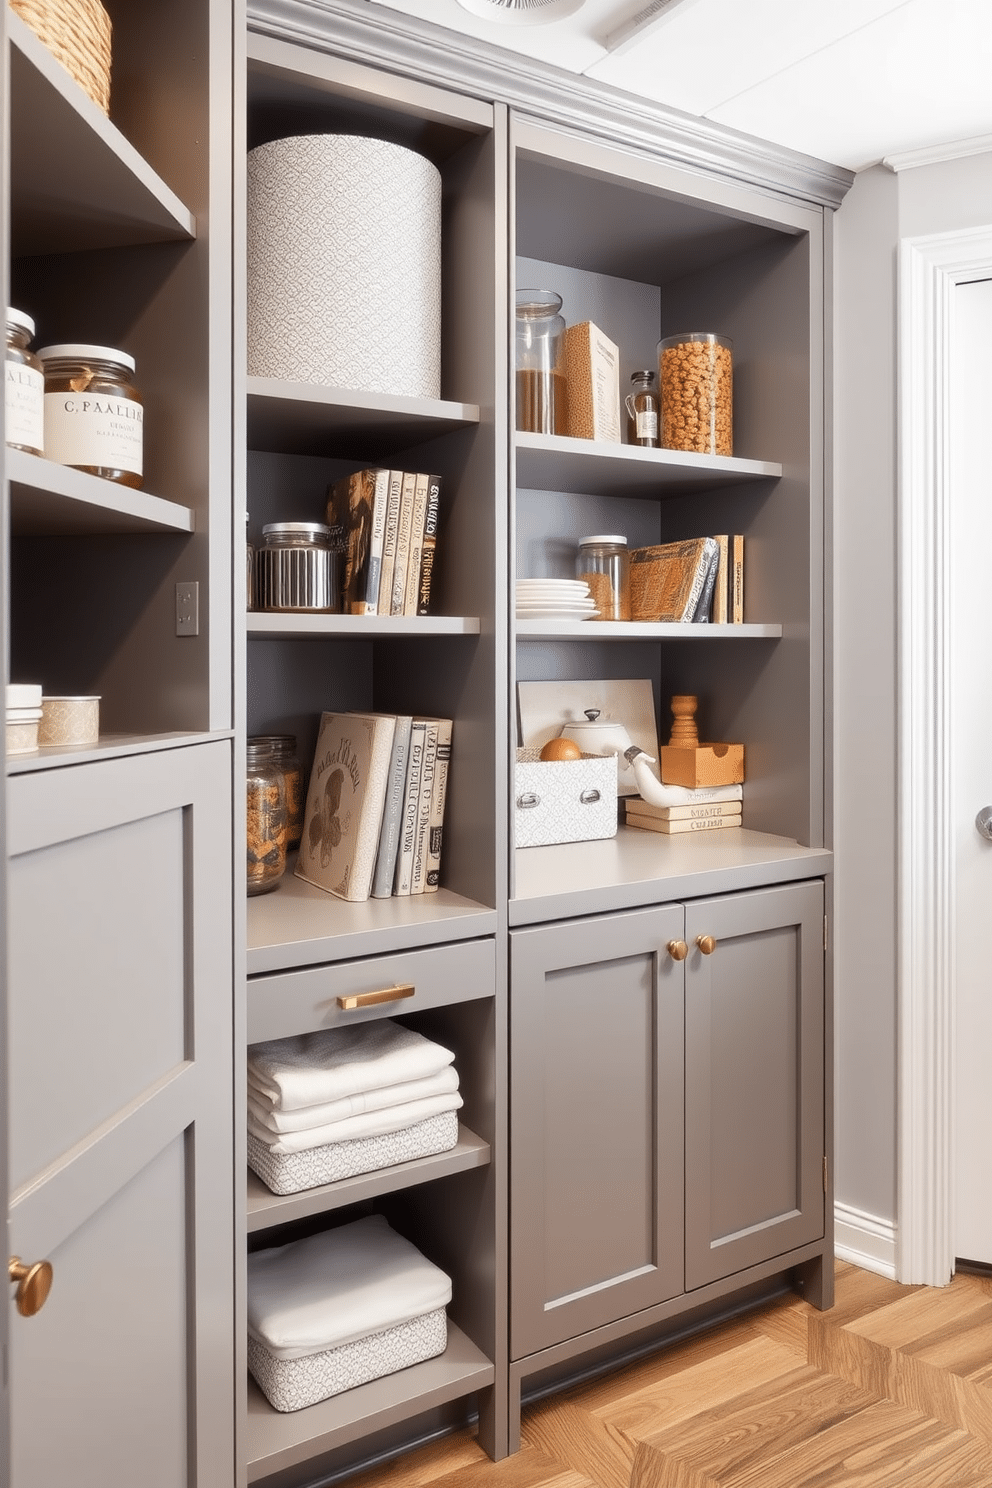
x,y
667,1118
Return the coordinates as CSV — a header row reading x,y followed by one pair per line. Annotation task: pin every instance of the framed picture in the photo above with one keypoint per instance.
x,y
545,707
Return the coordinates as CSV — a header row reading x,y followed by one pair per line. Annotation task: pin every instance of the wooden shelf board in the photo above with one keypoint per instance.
x,y
554,463
263,627
49,500
276,1441
299,925
265,1209
305,418
109,746
631,630
76,181
636,867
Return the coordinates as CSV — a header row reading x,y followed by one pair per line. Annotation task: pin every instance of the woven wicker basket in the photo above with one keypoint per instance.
x,y
77,32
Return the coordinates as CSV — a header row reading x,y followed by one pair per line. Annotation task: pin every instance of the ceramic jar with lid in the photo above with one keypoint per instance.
x,y
24,387
93,412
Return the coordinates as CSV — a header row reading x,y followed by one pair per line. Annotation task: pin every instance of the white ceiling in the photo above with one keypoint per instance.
x,y
849,81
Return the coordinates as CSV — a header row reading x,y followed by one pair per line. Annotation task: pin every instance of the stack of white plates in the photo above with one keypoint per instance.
x,y
554,599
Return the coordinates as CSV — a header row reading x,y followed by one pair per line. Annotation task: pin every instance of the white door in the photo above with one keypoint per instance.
x,y
971,753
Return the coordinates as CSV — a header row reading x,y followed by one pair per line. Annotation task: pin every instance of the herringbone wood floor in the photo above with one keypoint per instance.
x,y
890,1389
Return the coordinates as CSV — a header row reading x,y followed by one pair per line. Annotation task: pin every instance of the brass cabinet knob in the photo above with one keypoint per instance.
x,y
678,950
34,1282
706,944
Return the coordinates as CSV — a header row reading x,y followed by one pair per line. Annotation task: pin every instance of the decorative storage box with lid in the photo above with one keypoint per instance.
x,y
565,800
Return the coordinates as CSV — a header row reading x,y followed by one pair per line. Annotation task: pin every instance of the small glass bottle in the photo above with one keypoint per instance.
x,y
604,563
93,412
540,381
266,818
283,746
642,410
24,387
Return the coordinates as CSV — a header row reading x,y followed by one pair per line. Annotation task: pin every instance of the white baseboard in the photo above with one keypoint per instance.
x,y
864,1240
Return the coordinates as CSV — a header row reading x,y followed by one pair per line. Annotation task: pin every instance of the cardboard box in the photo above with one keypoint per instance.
x,y
707,764
591,364
564,800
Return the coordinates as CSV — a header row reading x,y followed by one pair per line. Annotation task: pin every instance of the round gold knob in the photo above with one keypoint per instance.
x,y
34,1283
706,944
678,950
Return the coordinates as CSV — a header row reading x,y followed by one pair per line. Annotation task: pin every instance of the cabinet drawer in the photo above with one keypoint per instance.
x,y
304,1001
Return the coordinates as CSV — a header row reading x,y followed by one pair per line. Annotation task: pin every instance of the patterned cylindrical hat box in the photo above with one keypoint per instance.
x,y
344,265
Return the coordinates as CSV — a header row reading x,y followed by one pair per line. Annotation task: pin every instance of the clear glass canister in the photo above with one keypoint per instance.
x,y
540,383
642,410
696,374
604,563
266,818
283,746
24,387
297,568
93,411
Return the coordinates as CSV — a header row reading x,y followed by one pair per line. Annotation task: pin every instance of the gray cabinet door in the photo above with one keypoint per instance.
x,y
120,1069
595,1123
754,1078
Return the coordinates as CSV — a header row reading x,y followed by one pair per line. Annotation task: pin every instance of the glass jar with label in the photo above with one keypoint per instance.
x,y
283,747
604,563
24,387
266,818
642,410
93,411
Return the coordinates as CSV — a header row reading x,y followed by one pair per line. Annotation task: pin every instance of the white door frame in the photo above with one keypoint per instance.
x,y
930,270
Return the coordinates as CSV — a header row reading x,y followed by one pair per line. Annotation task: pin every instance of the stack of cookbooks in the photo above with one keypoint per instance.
x,y
375,806
388,523
706,808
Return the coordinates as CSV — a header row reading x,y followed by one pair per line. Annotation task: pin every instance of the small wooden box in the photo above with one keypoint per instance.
x,y
707,764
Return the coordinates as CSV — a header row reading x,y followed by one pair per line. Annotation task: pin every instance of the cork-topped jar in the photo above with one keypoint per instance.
x,y
93,411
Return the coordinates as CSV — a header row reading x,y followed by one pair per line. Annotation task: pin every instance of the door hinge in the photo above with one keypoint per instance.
x,y
824,932
826,1180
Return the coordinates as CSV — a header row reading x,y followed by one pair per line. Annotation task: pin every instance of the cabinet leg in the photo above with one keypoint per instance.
x,y
513,1410
492,1425
816,1279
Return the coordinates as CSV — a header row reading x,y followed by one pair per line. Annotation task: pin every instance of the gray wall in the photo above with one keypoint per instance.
x,y
881,208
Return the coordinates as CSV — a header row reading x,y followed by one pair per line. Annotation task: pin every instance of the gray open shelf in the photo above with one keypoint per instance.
x,y
263,626
305,418
639,630
55,500
587,467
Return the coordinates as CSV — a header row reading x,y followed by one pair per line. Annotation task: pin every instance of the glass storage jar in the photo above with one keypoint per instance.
x,y
696,374
93,411
24,387
604,563
266,817
283,746
540,381
642,410
297,568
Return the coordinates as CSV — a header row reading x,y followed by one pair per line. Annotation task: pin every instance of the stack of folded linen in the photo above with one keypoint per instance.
x,y
339,1309
325,1106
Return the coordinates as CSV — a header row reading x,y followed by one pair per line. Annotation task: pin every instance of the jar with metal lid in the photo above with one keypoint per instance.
x,y
297,568
642,410
604,563
93,411
266,818
283,747
24,387
696,374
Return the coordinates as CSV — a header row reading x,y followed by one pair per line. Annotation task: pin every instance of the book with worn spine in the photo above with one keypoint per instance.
x,y
394,490
700,812
389,832
345,803
673,828
429,545
411,592
421,841
705,603
439,797
667,579
721,593
351,505
403,530
403,879
737,580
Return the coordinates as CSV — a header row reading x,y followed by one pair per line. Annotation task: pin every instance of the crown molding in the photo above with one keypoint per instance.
x,y
384,38
979,144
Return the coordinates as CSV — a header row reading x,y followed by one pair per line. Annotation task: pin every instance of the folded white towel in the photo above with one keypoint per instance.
x,y
313,1068
333,1288
275,1120
369,1124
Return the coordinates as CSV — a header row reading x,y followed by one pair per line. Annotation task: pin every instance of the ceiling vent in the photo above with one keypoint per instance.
x,y
522,12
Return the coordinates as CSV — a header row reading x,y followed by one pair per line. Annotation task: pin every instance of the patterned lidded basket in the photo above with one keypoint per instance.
x,y
344,265
78,34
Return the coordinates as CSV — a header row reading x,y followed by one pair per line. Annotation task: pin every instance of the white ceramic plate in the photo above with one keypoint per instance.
x,y
555,612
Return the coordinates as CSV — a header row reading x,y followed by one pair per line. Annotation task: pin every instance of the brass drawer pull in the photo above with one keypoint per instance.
x,y
371,999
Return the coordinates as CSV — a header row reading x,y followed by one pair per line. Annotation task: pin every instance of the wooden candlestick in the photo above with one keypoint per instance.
x,y
684,733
